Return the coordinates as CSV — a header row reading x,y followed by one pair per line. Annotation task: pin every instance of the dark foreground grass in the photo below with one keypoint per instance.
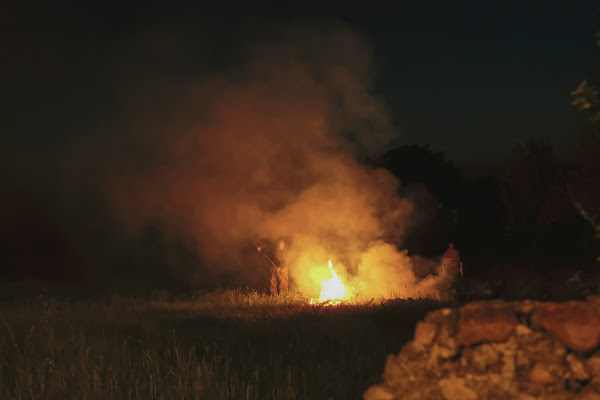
x,y
218,345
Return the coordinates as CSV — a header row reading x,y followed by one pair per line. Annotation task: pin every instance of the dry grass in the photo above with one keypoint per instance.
x,y
226,344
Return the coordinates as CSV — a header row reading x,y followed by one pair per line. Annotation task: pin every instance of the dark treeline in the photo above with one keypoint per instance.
x,y
519,227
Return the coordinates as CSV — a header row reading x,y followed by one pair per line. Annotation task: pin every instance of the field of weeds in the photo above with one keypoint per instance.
x,y
225,344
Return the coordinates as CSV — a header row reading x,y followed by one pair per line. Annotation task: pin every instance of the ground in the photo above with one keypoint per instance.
x,y
224,344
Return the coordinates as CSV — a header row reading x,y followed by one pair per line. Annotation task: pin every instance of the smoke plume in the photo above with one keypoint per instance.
x,y
264,146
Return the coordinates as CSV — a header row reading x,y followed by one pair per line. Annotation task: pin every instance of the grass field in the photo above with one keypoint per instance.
x,y
226,344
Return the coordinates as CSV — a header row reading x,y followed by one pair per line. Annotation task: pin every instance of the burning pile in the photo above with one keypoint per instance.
x,y
274,153
333,290
374,279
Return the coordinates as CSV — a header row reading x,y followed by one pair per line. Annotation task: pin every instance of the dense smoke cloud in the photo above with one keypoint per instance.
x,y
268,150
221,159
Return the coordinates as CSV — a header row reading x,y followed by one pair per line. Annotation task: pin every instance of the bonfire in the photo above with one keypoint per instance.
x,y
333,291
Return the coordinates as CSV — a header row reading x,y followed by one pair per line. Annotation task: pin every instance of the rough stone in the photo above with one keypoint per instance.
x,y
531,359
539,347
454,388
508,365
575,324
524,331
483,357
481,322
444,345
438,352
378,392
539,374
424,334
593,366
577,367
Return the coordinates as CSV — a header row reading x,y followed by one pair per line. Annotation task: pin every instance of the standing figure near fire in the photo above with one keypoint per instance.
x,y
279,269
450,267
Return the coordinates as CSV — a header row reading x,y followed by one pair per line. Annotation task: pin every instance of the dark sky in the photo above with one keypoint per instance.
x,y
473,77
470,78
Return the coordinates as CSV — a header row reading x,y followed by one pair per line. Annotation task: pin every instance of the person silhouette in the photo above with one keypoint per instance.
x,y
279,281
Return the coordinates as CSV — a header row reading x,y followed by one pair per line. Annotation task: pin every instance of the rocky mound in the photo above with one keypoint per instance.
x,y
499,350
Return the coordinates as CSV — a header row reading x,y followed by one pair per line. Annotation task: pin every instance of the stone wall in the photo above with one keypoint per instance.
x,y
499,350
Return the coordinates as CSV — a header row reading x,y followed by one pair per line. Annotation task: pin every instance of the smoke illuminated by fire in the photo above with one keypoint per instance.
x,y
266,149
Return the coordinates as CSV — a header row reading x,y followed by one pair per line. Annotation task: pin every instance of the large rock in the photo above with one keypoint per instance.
x,y
454,388
485,322
576,324
499,350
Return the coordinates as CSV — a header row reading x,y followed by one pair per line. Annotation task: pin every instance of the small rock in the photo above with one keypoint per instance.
x,y
523,359
454,388
445,350
593,366
378,392
480,322
539,374
446,311
578,368
484,356
575,324
448,349
424,334
522,330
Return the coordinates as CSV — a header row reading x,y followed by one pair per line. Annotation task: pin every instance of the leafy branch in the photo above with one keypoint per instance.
x,y
588,102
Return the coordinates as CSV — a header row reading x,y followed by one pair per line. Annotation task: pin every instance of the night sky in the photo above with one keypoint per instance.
x,y
470,78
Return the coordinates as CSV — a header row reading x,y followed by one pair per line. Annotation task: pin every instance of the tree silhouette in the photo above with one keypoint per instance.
x,y
584,172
